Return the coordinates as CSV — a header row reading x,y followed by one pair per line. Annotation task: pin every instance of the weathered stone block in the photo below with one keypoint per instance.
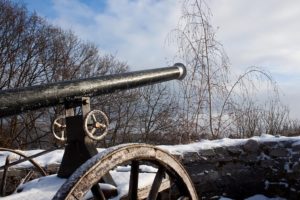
x,y
251,146
286,144
295,157
296,147
196,168
232,168
207,152
249,158
221,151
296,168
267,163
192,157
269,145
234,150
225,159
277,188
278,152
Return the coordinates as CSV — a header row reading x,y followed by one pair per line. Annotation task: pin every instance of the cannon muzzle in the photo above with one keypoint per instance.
x,y
16,101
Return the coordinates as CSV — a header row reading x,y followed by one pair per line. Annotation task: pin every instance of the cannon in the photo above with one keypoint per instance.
x,y
82,165
14,101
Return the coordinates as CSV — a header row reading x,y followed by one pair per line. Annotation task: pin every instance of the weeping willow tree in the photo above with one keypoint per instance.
x,y
214,101
207,66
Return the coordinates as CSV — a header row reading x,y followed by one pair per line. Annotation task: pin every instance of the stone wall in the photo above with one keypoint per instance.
x,y
271,168
252,167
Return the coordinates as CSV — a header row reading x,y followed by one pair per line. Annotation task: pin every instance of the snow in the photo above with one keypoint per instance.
x,y
256,197
262,197
210,144
296,143
38,189
55,157
46,187
122,182
142,168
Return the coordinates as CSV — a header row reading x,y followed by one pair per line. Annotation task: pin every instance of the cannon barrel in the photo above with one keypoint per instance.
x,y
16,101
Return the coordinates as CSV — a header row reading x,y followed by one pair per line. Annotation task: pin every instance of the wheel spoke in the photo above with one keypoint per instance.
x,y
183,198
57,124
93,130
97,193
133,182
62,135
102,125
94,118
156,183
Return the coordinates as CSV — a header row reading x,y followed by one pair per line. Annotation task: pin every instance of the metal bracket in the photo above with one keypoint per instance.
x,y
79,147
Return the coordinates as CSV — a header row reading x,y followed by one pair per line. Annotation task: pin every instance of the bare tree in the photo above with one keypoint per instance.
x,y
274,117
207,66
156,113
20,43
34,52
212,100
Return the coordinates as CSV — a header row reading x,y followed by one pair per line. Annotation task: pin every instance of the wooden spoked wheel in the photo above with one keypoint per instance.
x,y
91,172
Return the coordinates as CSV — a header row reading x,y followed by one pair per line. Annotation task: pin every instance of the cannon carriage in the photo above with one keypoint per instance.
x,y
84,168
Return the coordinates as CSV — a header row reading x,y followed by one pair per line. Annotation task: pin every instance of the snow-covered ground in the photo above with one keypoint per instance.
x,y
46,187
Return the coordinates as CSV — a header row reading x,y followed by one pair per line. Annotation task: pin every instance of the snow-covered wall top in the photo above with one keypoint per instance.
x,y
55,157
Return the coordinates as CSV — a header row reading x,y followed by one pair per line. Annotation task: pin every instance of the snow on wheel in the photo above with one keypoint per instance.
x,y
170,174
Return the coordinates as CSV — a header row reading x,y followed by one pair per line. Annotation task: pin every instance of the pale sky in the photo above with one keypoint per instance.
x,y
254,33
